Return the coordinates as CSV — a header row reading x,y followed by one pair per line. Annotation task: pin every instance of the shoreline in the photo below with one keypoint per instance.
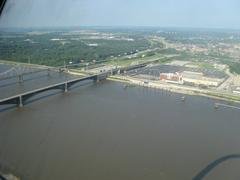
x,y
193,91
173,88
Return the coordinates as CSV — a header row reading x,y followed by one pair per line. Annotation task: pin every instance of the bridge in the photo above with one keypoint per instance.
x,y
21,70
20,99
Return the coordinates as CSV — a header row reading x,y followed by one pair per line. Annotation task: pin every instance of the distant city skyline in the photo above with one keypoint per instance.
x,y
155,13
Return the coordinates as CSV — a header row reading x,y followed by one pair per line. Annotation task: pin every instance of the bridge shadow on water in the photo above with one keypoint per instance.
x,y
210,167
47,94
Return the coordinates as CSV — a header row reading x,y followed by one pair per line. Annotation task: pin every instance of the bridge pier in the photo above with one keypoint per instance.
x,y
65,87
48,72
97,78
20,103
20,78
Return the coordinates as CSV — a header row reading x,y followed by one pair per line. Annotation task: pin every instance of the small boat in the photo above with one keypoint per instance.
x,y
216,106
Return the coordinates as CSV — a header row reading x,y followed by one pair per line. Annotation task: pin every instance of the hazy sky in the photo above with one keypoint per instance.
x,y
163,13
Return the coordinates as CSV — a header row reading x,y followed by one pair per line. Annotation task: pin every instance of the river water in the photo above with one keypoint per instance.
x,y
105,131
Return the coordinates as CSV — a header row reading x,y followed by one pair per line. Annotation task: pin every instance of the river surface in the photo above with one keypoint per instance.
x,y
104,131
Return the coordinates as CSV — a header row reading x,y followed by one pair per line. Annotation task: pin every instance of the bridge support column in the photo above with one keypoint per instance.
x,y
65,87
20,78
20,103
48,72
97,79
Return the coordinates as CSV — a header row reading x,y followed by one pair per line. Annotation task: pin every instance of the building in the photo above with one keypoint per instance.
x,y
171,78
198,79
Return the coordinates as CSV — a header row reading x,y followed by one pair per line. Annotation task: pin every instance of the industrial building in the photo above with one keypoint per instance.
x,y
191,78
172,77
198,78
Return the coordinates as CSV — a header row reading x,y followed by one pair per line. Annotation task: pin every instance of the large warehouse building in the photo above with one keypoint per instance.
x,y
198,78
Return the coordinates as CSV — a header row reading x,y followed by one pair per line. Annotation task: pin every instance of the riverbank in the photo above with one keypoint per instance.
x,y
177,89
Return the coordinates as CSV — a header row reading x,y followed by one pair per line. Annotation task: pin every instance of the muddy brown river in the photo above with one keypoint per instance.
x,y
105,131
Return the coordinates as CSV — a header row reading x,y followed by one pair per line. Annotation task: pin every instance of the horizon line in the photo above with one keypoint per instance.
x,y
117,26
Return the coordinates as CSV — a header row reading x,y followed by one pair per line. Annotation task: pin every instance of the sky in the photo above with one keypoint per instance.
x,y
159,13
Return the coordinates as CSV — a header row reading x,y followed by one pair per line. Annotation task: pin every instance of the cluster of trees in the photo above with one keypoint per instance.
x,y
40,49
234,67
